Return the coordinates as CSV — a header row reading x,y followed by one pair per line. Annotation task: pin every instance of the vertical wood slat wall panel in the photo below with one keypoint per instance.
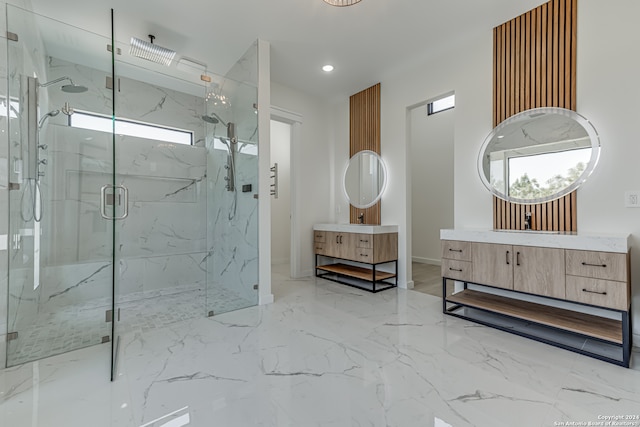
x,y
364,134
535,66
557,215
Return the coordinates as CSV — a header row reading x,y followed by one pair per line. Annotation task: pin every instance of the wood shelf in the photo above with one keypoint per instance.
x,y
356,272
585,324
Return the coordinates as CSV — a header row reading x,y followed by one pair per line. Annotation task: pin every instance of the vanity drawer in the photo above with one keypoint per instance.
x,y
363,255
364,240
320,248
455,249
598,265
457,270
603,293
319,236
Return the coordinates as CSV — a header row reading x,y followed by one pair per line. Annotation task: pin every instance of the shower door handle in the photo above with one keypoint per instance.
x,y
125,201
103,201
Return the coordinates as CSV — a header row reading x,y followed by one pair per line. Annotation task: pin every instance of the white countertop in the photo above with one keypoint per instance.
x,y
578,241
357,228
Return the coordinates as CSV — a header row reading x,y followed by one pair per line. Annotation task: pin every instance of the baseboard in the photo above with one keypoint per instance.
x,y
421,260
265,299
408,285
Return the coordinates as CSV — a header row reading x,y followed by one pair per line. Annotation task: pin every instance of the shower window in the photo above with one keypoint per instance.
x,y
13,107
102,123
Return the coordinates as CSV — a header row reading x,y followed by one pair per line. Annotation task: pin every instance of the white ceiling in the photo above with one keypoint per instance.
x,y
365,42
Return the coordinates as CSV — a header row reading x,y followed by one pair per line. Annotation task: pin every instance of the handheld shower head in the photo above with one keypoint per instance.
x,y
46,116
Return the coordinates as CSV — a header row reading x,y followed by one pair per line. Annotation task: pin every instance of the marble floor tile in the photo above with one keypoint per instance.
x,y
83,324
427,278
322,354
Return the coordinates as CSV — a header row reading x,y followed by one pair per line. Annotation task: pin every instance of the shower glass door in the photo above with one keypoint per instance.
x,y
232,182
132,191
161,169
60,246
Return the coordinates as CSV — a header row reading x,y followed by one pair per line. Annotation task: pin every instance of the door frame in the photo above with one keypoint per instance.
x,y
295,120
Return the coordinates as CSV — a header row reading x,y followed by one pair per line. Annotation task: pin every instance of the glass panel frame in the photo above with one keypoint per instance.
x,y
60,269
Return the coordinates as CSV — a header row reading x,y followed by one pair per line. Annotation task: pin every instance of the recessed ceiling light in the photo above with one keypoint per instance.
x,y
327,68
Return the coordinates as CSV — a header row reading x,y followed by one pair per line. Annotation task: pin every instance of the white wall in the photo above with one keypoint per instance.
x,y
312,166
431,154
281,207
607,94
467,70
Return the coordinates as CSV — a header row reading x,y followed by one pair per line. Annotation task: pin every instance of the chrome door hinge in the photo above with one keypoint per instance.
x,y
110,49
12,36
108,317
105,339
12,336
255,287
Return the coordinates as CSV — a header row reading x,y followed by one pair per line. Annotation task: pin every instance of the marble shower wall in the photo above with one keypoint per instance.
x,y
233,216
233,233
161,245
16,58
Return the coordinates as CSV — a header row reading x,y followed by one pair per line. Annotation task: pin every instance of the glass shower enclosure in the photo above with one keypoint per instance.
x,y
131,190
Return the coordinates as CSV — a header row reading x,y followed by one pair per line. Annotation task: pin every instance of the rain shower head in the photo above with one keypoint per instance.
x,y
210,119
214,119
70,88
151,52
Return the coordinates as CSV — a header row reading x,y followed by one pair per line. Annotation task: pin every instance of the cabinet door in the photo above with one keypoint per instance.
x,y
539,271
332,244
492,264
348,243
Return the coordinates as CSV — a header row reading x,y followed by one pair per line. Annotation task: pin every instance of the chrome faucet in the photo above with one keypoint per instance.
x,y
361,218
527,220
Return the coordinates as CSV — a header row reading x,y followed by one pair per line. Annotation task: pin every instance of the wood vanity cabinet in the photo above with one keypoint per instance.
x,y
492,264
599,278
533,270
367,250
456,260
575,277
539,271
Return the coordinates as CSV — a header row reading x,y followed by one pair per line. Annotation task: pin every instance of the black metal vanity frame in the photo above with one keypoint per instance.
x,y
386,285
626,321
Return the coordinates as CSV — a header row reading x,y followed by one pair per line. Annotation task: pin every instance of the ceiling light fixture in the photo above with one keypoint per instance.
x,y
341,3
327,68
